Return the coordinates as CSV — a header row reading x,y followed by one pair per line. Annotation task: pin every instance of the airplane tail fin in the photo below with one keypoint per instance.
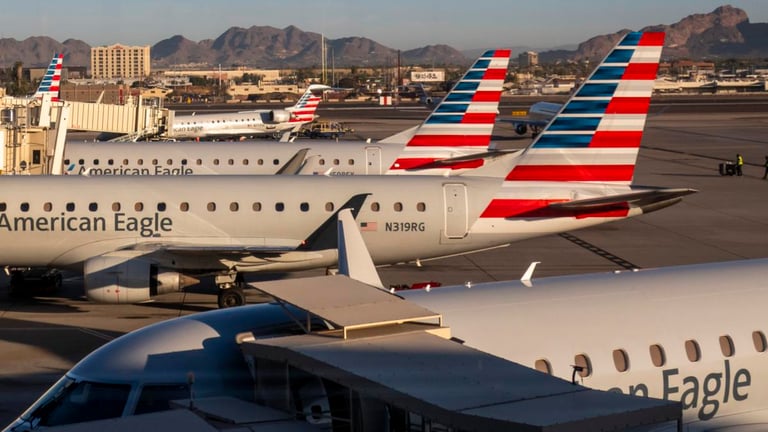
x,y
596,135
304,110
463,120
52,79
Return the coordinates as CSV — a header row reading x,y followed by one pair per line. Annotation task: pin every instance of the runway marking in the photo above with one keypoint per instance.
x,y
599,251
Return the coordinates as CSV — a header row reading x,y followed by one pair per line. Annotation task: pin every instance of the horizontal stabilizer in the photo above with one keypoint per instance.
x,y
646,200
463,160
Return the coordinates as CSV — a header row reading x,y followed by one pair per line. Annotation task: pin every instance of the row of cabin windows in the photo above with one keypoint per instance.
x,y
185,162
657,355
211,206
220,121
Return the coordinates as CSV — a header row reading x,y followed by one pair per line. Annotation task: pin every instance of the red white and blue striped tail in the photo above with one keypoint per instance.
x,y
304,110
463,121
51,82
596,135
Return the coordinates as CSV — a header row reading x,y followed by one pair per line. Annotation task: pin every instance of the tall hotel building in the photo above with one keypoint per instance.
x,y
119,61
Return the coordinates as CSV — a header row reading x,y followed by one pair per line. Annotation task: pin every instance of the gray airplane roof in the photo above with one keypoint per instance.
x,y
345,302
391,357
459,386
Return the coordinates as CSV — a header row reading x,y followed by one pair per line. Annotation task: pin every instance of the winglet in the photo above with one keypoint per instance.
x,y
354,259
326,235
295,164
526,279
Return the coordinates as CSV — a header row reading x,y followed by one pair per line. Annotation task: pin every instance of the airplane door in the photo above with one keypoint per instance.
x,y
456,217
373,160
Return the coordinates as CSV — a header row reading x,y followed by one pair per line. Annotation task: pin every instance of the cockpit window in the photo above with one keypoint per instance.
x,y
158,397
70,401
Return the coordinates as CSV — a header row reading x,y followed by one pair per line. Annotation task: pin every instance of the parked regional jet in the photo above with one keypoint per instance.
x,y
247,124
694,334
461,125
135,236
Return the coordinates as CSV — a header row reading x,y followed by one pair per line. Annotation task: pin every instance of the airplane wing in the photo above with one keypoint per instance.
x,y
248,253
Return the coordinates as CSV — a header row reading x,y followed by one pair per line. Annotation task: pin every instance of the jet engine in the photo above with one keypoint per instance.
x,y
118,279
279,116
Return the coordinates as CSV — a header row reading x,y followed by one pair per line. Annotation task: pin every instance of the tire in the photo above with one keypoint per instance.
x,y
231,297
521,129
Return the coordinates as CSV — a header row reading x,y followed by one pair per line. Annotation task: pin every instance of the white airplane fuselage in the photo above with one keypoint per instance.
x,y
618,321
183,158
61,221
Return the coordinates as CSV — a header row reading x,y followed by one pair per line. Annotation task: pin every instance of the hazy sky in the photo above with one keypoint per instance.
x,y
399,24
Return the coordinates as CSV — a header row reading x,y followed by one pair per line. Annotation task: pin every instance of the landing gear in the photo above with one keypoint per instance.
x,y
231,297
231,292
521,129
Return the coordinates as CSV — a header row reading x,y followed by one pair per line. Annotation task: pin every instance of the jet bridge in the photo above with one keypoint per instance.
x,y
386,361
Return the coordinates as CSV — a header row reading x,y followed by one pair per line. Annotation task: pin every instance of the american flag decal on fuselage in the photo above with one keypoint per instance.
x,y
463,121
596,136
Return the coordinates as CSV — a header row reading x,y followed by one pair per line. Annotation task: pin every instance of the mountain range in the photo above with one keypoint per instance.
x,y
723,33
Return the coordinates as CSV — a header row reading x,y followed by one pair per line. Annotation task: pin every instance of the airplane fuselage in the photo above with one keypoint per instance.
x,y
695,336
185,158
64,220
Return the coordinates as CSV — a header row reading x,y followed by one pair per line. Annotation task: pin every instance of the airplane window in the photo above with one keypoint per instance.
x,y
125,161
70,207
304,206
66,161
93,207
24,207
184,206
138,206
351,162
335,161
279,206
375,206
95,161
47,207
231,162
245,161
658,358
199,162
140,162
81,162
233,206
157,397
398,206
421,207
154,161
260,162
215,161
74,402
726,346
161,206
110,162
692,350
582,361
183,161
329,206
321,162
169,162
758,338
621,360
116,206
256,206
275,161
542,365
2,206
211,206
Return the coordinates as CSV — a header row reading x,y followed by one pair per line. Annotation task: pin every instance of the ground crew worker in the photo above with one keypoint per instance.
x,y
739,163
